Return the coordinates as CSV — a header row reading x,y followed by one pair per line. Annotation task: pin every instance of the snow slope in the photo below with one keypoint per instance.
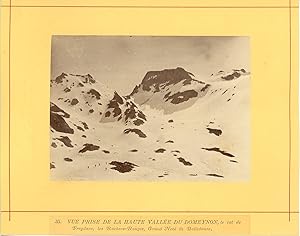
x,y
171,127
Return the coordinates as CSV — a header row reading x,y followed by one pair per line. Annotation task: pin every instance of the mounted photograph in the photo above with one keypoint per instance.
x,y
150,108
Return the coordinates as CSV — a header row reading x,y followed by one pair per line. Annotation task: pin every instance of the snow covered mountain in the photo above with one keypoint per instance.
x,y
171,127
83,95
170,90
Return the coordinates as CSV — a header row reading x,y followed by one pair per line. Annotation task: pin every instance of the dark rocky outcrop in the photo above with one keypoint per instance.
x,y
138,122
94,93
215,175
205,88
183,161
167,95
107,114
170,141
89,147
141,115
160,150
216,149
59,79
133,150
136,131
74,101
52,166
56,109
84,125
180,97
123,167
57,122
216,132
67,90
234,74
231,76
66,141
130,112
114,105
88,79
78,127
225,91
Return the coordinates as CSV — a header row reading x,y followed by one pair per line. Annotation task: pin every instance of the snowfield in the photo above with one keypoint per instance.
x,y
172,127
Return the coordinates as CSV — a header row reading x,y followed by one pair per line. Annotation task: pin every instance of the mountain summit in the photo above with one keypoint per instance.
x,y
157,80
169,90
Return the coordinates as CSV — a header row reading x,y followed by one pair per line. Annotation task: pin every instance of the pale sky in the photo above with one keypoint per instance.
x,y
121,62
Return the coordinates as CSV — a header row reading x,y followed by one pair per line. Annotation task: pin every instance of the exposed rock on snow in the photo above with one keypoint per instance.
x,y
217,132
186,163
231,75
52,166
215,149
57,122
133,150
215,175
136,131
94,93
122,167
89,147
169,115
74,101
65,140
180,97
170,141
160,150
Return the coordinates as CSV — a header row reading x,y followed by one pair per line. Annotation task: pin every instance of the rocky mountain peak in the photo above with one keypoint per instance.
x,y
121,108
156,79
167,88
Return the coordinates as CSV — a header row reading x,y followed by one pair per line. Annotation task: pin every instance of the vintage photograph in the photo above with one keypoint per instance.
x,y
150,108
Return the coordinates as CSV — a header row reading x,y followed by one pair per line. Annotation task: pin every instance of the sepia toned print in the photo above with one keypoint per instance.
x,y
145,108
